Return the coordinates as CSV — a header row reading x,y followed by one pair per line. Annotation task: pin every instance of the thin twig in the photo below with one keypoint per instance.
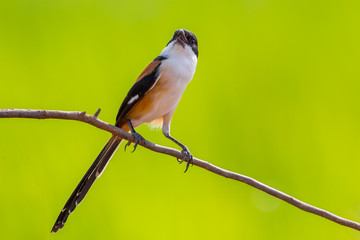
x,y
97,113
93,120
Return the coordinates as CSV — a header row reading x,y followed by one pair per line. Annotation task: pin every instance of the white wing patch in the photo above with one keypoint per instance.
x,y
133,99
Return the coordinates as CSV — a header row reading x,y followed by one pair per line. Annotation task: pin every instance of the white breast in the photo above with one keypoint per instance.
x,y
175,74
179,68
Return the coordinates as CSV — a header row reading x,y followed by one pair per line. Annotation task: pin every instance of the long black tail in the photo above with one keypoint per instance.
x,y
84,185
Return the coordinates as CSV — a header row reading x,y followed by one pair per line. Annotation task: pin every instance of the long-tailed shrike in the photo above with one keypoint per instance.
x,y
152,99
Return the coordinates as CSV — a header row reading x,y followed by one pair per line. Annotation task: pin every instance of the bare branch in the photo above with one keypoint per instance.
x,y
93,120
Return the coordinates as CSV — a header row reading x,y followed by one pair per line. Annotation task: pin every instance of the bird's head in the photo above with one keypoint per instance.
x,y
183,42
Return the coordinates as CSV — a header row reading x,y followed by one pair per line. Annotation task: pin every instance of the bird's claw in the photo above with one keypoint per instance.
x,y
138,139
185,154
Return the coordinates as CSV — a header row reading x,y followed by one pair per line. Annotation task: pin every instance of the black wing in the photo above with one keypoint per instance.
x,y
143,84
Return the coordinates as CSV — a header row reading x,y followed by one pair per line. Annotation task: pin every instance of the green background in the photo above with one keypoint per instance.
x,y
275,97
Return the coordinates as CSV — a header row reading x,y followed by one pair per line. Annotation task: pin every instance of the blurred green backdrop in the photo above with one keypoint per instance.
x,y
275,97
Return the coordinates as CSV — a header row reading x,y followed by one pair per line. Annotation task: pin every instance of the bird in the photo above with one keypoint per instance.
x,y
152,99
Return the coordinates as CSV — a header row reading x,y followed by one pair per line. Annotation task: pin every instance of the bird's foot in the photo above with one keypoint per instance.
x,y
186,155
138,139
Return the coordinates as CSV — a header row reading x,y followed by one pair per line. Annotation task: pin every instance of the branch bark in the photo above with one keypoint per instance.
x,y
94,121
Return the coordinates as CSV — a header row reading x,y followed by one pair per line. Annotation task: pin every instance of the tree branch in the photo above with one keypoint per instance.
x,y
93,120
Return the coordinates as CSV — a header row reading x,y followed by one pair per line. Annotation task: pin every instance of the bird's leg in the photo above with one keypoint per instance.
x,y
138,138
185,152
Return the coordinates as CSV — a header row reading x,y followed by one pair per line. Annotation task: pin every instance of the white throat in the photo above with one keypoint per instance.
x,y
181,60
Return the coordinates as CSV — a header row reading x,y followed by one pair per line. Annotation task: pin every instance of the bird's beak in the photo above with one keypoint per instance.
x,y
181,37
